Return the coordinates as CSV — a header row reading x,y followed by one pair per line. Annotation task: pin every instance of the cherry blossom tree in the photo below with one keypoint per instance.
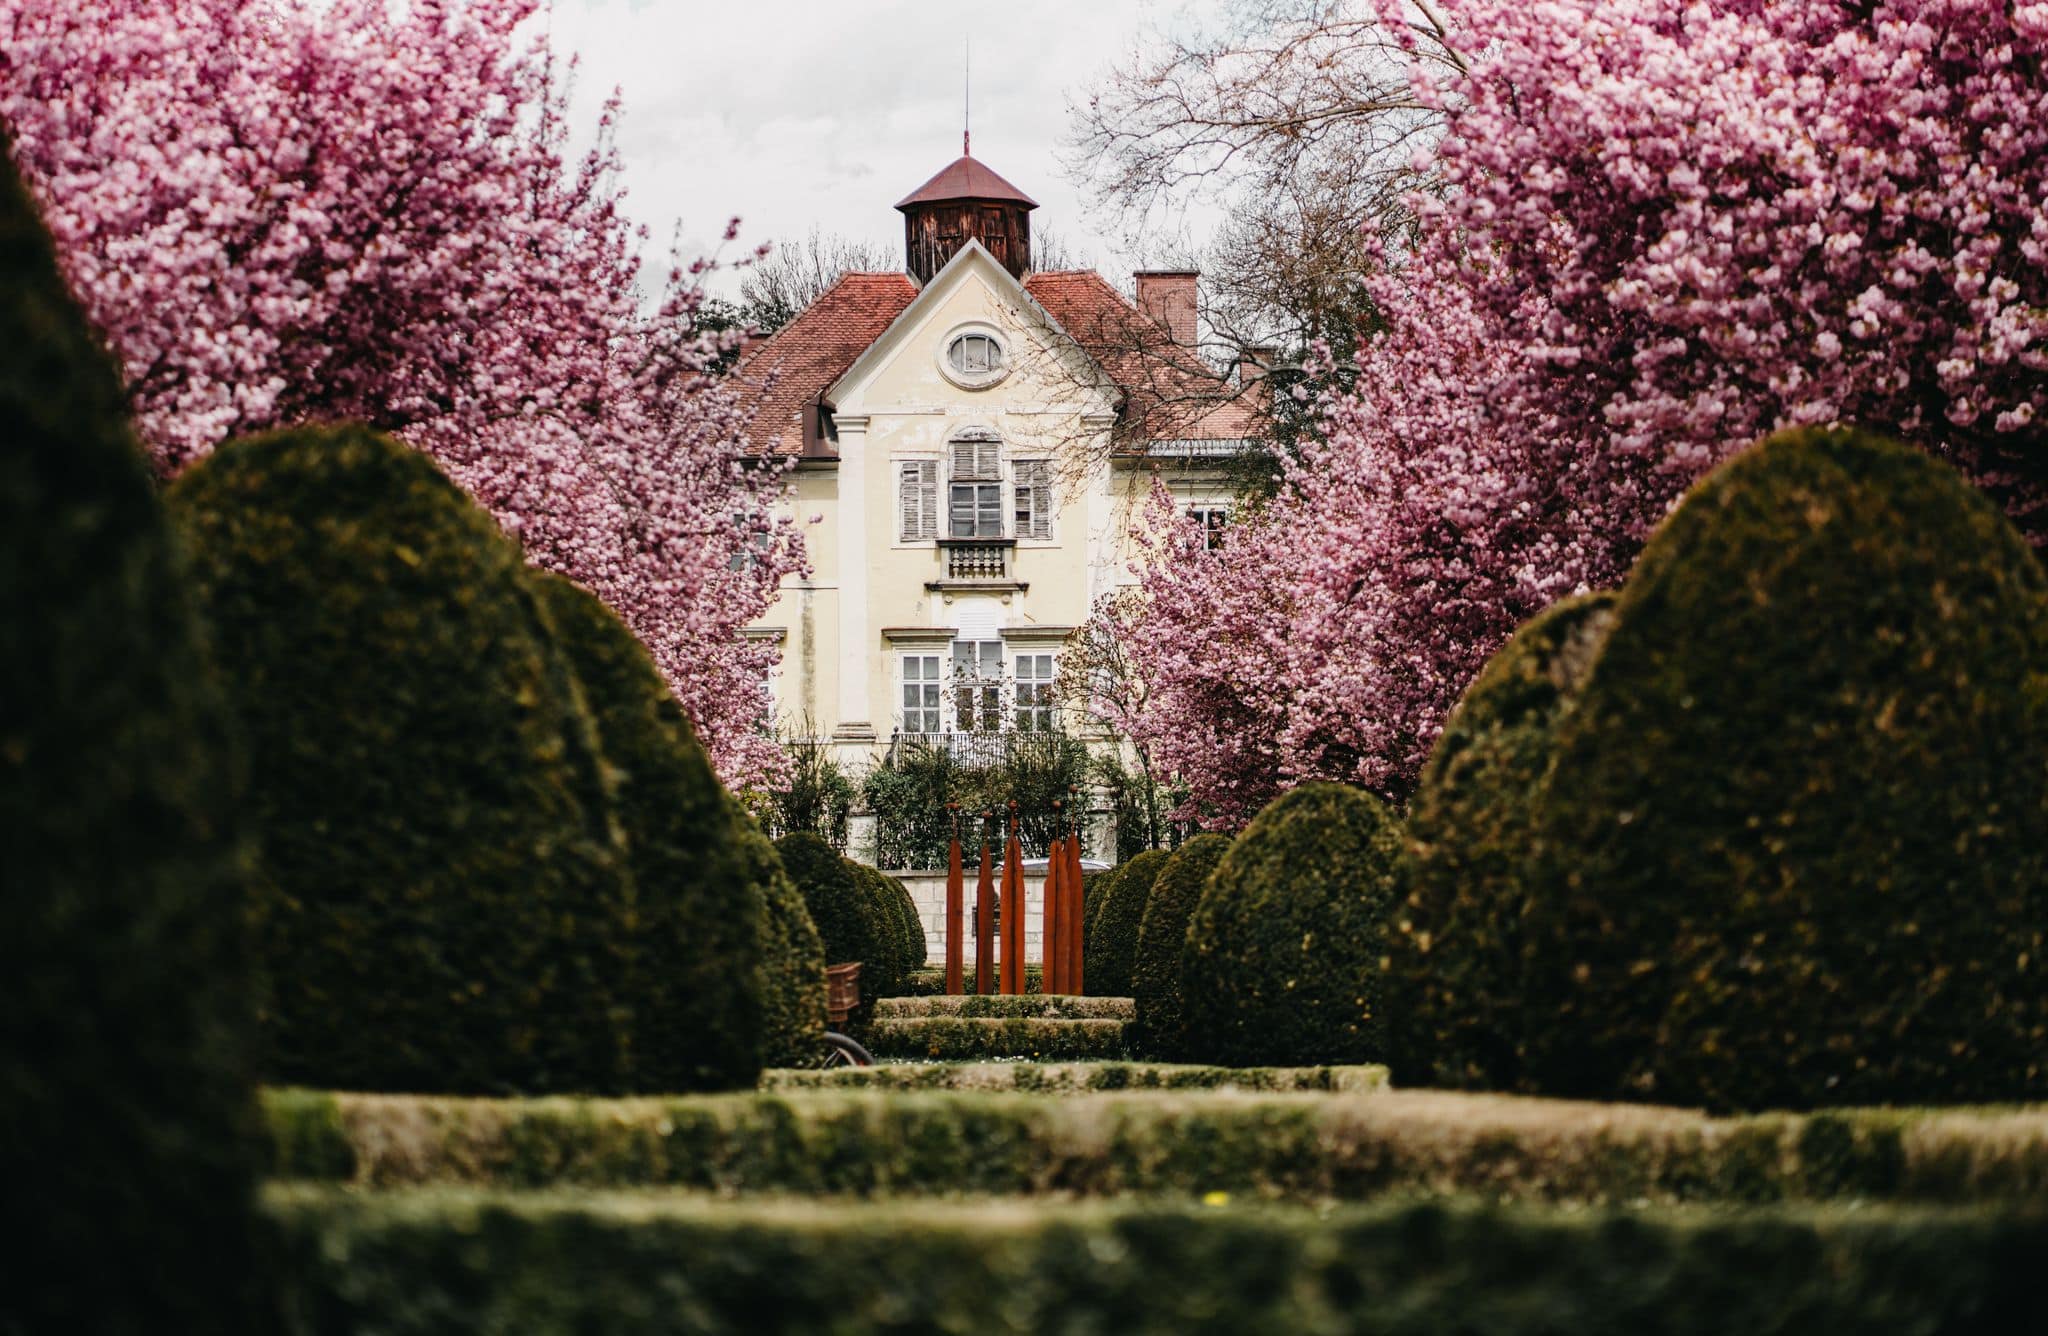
x,y
1658,232
368,210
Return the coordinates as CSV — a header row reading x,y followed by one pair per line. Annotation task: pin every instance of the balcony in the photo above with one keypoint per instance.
x,y
978,564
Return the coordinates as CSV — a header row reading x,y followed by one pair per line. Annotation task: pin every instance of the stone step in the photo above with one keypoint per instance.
x,y
1034,1005
960,1038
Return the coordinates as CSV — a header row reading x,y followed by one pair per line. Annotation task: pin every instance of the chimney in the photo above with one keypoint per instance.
x,y
1255,362
1168,296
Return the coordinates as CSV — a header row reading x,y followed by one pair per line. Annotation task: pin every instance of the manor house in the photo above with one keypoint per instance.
x,y
976,440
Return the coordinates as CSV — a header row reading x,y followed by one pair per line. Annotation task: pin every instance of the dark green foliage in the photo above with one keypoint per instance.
x,y
932,982
1283,958
885,976
128,1152
691,943
1795,847
424,1264
440,867
937,1141
1079,1078
840,904
1454,948
1162,938
1036,1039
1003,1005
909,791
914,946
1112,934
792,972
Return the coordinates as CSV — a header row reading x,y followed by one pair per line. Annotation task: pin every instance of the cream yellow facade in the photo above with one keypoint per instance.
x,y
887,598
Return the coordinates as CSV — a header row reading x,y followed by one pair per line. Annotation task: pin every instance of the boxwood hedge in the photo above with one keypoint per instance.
x,y
841,905
1454,948
690,944
441,873
792,970
1282,965
1162,937
1111,941
125,1077
1794,850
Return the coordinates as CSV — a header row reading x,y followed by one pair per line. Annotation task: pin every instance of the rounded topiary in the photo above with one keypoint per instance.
x,y
839,903
885,976
792,969
692,944
1162,936
1282,965
1454,976
130,1153
913,926
440,867
1794,850
1112,941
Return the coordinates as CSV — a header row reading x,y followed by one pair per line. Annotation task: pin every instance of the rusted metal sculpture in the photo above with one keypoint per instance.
x,y
984,917
1074,976
956,891
1013,909
1051,942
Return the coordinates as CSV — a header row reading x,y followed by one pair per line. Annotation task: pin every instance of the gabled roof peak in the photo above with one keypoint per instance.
x,y
966,177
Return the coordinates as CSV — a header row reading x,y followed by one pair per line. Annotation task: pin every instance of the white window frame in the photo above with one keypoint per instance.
x,y
976,695
974,380
1214,517
981,483
921,672
1034,672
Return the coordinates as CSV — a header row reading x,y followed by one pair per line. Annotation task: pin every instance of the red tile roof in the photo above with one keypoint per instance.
x,y
1170,394
965,178
785,373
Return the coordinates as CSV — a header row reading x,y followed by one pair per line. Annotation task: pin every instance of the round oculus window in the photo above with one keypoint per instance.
x,y
975,358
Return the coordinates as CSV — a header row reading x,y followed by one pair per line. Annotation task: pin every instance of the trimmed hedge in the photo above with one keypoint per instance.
x,y
1162,938
1454,948
1795,848
1284,950
1032,1038
1281,1146
1111,942
694,927
932,982
1059,1007
841,905
441,875
913,927
792,970
1078,1078
885,917
125,1070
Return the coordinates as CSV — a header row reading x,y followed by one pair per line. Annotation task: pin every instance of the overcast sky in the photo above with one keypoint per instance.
x,y
795,113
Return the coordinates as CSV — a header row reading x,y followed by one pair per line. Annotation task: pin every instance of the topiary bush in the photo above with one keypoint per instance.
x,y
130,1152
918,949
792,969
885,977
693,935
441,873
1111,944
1454,948
839,904
1283,958
1162,936
1794,850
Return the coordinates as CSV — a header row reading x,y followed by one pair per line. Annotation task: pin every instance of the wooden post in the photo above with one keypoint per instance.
x,y
984,918
1077,976
956,892
1050,943
1013,909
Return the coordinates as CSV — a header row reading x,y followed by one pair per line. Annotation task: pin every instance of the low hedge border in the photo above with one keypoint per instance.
x,y
1309,1147
1055,1007
1078,1078
430,1262
1035,1038
932,982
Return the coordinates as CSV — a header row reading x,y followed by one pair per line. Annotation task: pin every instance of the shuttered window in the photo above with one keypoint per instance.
x,y
917,491
1034,499
974,498
977,458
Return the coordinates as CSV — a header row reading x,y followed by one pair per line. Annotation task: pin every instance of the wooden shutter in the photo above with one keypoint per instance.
x,y
1034,481
975,458
918,500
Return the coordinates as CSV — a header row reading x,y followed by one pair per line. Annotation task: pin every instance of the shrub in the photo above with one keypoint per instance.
x,y
792,969
1111,942
885,914
1283,956
125,1081
1162,935
439,865
1795,847
919,950
839,903
691,945
1036,1039
1454,947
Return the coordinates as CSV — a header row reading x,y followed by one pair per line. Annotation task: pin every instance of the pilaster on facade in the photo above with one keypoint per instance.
x,y
854,563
